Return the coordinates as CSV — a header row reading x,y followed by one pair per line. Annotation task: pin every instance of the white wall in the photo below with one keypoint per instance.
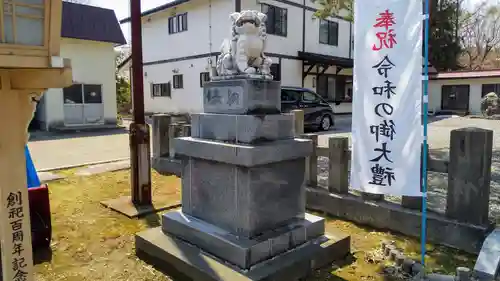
x,y
312,38
186,100
159,45
435,87
92,63
164,52
290,72
292,43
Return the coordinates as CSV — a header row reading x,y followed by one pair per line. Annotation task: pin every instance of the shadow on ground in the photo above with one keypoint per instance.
x,y
152,220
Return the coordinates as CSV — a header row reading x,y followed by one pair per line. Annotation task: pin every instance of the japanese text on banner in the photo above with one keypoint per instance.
x,y
387,105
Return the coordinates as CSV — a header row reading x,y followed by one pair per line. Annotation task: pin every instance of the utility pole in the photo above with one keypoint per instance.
x,y
139,132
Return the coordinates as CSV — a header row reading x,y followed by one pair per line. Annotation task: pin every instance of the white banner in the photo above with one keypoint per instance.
x,y
387,130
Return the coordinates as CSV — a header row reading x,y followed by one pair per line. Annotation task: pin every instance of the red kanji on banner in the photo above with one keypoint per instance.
x,y
385,20
387,38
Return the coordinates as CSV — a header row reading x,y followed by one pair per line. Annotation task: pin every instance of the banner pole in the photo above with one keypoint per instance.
x,y
425,102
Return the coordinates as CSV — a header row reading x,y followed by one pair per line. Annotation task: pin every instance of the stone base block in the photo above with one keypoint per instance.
x,y
240,251
242,128
167,166
244,201
488,262
184,261
241,154
242,96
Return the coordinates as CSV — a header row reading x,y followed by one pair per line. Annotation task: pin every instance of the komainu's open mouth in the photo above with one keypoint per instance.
x,y
243,21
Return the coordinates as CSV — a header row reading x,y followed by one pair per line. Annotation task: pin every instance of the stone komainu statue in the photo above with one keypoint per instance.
x,y
489,104
244,52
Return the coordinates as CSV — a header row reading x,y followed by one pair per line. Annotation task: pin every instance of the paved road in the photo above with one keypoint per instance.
x,y
78,148
52,151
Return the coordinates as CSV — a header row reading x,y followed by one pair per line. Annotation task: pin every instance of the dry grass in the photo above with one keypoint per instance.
x,y
91,242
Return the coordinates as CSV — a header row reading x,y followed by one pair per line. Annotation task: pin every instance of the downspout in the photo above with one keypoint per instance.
x,y
210,60
350,40
303,38
237,6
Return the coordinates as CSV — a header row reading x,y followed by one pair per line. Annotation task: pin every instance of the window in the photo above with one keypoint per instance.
x,y
73,94
289,96
161,90
178,81
276,20
310,97
83,94
276,71
177,23
455,97
329,32
23,22
204,77
488,88
92,94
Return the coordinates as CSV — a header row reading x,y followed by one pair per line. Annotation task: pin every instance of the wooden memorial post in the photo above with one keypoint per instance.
x,y
29,65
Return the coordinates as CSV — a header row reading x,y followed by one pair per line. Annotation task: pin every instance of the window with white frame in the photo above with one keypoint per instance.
x,y
161,90
83,94
178,81
177,23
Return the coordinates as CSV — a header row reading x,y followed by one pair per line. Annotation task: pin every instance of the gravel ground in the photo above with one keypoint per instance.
x,y
439,138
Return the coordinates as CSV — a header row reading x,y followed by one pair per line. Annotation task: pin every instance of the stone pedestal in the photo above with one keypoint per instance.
x,y
243,193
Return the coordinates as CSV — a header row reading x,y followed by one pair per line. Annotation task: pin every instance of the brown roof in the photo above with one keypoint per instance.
x,y
469,74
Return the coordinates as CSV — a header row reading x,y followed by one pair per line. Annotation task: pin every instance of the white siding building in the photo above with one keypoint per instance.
x,y
181,42
461,92
89,36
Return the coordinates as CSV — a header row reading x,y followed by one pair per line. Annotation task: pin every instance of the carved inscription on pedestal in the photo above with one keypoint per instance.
x,y
225,98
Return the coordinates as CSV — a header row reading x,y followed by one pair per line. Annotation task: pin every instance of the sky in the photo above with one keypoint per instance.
x,y
121,8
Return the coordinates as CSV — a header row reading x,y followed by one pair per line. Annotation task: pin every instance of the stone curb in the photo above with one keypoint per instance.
x,y
82,165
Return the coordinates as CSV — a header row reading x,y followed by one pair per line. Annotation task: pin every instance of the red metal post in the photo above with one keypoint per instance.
x,y
140,158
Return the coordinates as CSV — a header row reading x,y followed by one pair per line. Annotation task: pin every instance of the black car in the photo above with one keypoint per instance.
x,y
318,114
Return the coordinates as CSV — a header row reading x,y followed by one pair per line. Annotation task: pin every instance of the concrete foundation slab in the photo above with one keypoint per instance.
x,y
182,260
241,251
103,168
242,96
244,201
488,262
242,128
241,154
49,176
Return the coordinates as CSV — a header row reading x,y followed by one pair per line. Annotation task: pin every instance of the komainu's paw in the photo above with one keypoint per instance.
x,y
250,70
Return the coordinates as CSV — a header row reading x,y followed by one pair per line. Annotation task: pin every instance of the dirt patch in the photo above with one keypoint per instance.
x,y
91,242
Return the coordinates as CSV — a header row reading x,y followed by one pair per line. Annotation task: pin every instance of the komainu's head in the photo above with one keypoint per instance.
x,y
248,22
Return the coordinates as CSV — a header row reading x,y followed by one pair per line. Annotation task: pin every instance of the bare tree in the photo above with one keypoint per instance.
x,y
480,35
78,1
